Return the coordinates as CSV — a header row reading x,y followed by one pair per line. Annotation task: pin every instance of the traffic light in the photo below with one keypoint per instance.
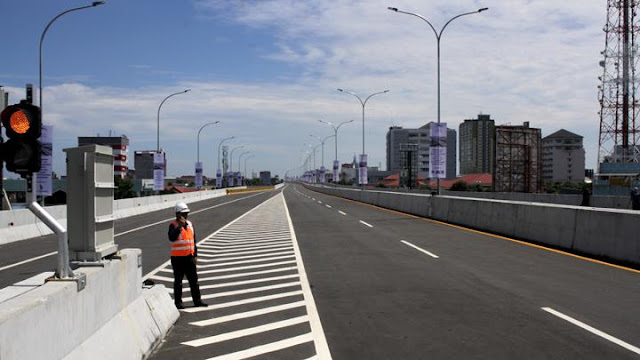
x,y
23,125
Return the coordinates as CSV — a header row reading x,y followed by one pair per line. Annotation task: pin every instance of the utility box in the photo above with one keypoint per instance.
x,y
90,202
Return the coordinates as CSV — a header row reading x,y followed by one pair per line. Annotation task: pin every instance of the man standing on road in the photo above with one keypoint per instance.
x,y
184,256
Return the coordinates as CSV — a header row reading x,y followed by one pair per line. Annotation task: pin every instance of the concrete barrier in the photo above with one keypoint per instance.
x,y
56,321
599,232
20,224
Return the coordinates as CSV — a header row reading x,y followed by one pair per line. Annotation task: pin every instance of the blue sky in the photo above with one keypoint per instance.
x,y
268,71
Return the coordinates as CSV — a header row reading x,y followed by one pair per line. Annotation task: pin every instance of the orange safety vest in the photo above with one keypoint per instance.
x,y
185,243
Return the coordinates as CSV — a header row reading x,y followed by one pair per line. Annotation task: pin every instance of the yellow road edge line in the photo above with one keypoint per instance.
x,y
561,252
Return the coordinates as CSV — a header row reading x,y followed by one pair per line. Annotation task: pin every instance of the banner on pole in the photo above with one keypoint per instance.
x,y
198,174
218,178
438,151
45,175
158,171
362,176
336,175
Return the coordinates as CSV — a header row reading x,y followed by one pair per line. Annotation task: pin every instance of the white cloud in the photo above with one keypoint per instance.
x,y
519,61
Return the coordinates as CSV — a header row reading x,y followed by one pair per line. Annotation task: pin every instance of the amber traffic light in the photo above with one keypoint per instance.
x,y
23,126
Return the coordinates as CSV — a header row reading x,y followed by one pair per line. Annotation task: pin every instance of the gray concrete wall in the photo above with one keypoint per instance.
x,y
20,224
56,321
599,232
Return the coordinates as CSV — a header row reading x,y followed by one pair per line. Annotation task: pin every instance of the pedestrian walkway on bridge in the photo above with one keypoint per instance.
x,y
260,303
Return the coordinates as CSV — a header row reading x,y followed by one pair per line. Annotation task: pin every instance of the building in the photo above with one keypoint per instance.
x,y
518,163
4,99
120,146
143,163
563,157
398,139
265,177
477,145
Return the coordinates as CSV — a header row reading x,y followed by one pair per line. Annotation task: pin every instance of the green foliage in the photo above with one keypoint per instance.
x,y
124,188
460,186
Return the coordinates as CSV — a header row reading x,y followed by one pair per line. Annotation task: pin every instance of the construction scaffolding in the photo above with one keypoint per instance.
x,y
409,165
518,160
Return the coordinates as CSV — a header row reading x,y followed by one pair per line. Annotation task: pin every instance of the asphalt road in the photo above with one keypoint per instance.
x,y
483,297
147,232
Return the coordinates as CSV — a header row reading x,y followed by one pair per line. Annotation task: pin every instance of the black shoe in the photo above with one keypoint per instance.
x,y
201,304
180,306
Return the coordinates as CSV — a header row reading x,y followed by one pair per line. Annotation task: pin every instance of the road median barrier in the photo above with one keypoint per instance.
x,y
248,189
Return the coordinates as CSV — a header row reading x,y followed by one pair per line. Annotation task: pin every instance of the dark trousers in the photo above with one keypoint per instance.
x,y
185,265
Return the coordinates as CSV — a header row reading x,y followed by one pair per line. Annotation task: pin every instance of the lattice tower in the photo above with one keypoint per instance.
x,y
618,93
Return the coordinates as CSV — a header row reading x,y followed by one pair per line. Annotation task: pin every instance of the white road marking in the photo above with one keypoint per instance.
x,y
234,258
327,205
247,251
245,262
420,249
244,267
342,212
319,202
227,249
267,348
246,332
251,290
364,223
593,330
252,273
244,301
248,314
28,260
237,283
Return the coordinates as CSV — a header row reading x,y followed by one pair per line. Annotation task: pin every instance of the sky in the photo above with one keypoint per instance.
x,y
268,70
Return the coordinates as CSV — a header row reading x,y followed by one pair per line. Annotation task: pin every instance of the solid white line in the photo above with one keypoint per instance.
x,y
251,290
28,260
342,212
245,282
246,332
369,225
244,267
593,330
248,314
245,262
327,205
244,302
245,252
247,241
252,273
420,249
267,348
319,339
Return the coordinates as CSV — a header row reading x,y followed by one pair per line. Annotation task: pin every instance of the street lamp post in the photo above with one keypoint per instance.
x,y
198,163
245,165
322,168
219,171
438,37
158,127
231,164
63,271
239,165
363,157
336,164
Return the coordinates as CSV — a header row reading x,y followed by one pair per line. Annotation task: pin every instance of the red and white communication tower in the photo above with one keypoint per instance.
x,y
619,108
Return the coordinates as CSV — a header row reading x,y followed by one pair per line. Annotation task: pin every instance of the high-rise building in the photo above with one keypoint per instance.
x,y
398,138
518,159
562,157
265,177
120,146
477,145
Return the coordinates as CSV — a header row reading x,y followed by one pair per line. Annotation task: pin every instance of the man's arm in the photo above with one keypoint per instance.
x,y
174,232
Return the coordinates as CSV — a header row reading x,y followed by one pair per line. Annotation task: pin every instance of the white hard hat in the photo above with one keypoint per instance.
x,y
181,207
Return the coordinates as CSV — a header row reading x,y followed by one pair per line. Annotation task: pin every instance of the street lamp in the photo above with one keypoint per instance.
x,y
322,168
363,157
231,164
198,163
438,37
165,99
219,171
239,165
62,270
245,165
94,4
336,163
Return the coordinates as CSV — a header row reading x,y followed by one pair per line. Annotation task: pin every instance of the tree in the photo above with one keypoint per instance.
x,y
124,188
460,185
